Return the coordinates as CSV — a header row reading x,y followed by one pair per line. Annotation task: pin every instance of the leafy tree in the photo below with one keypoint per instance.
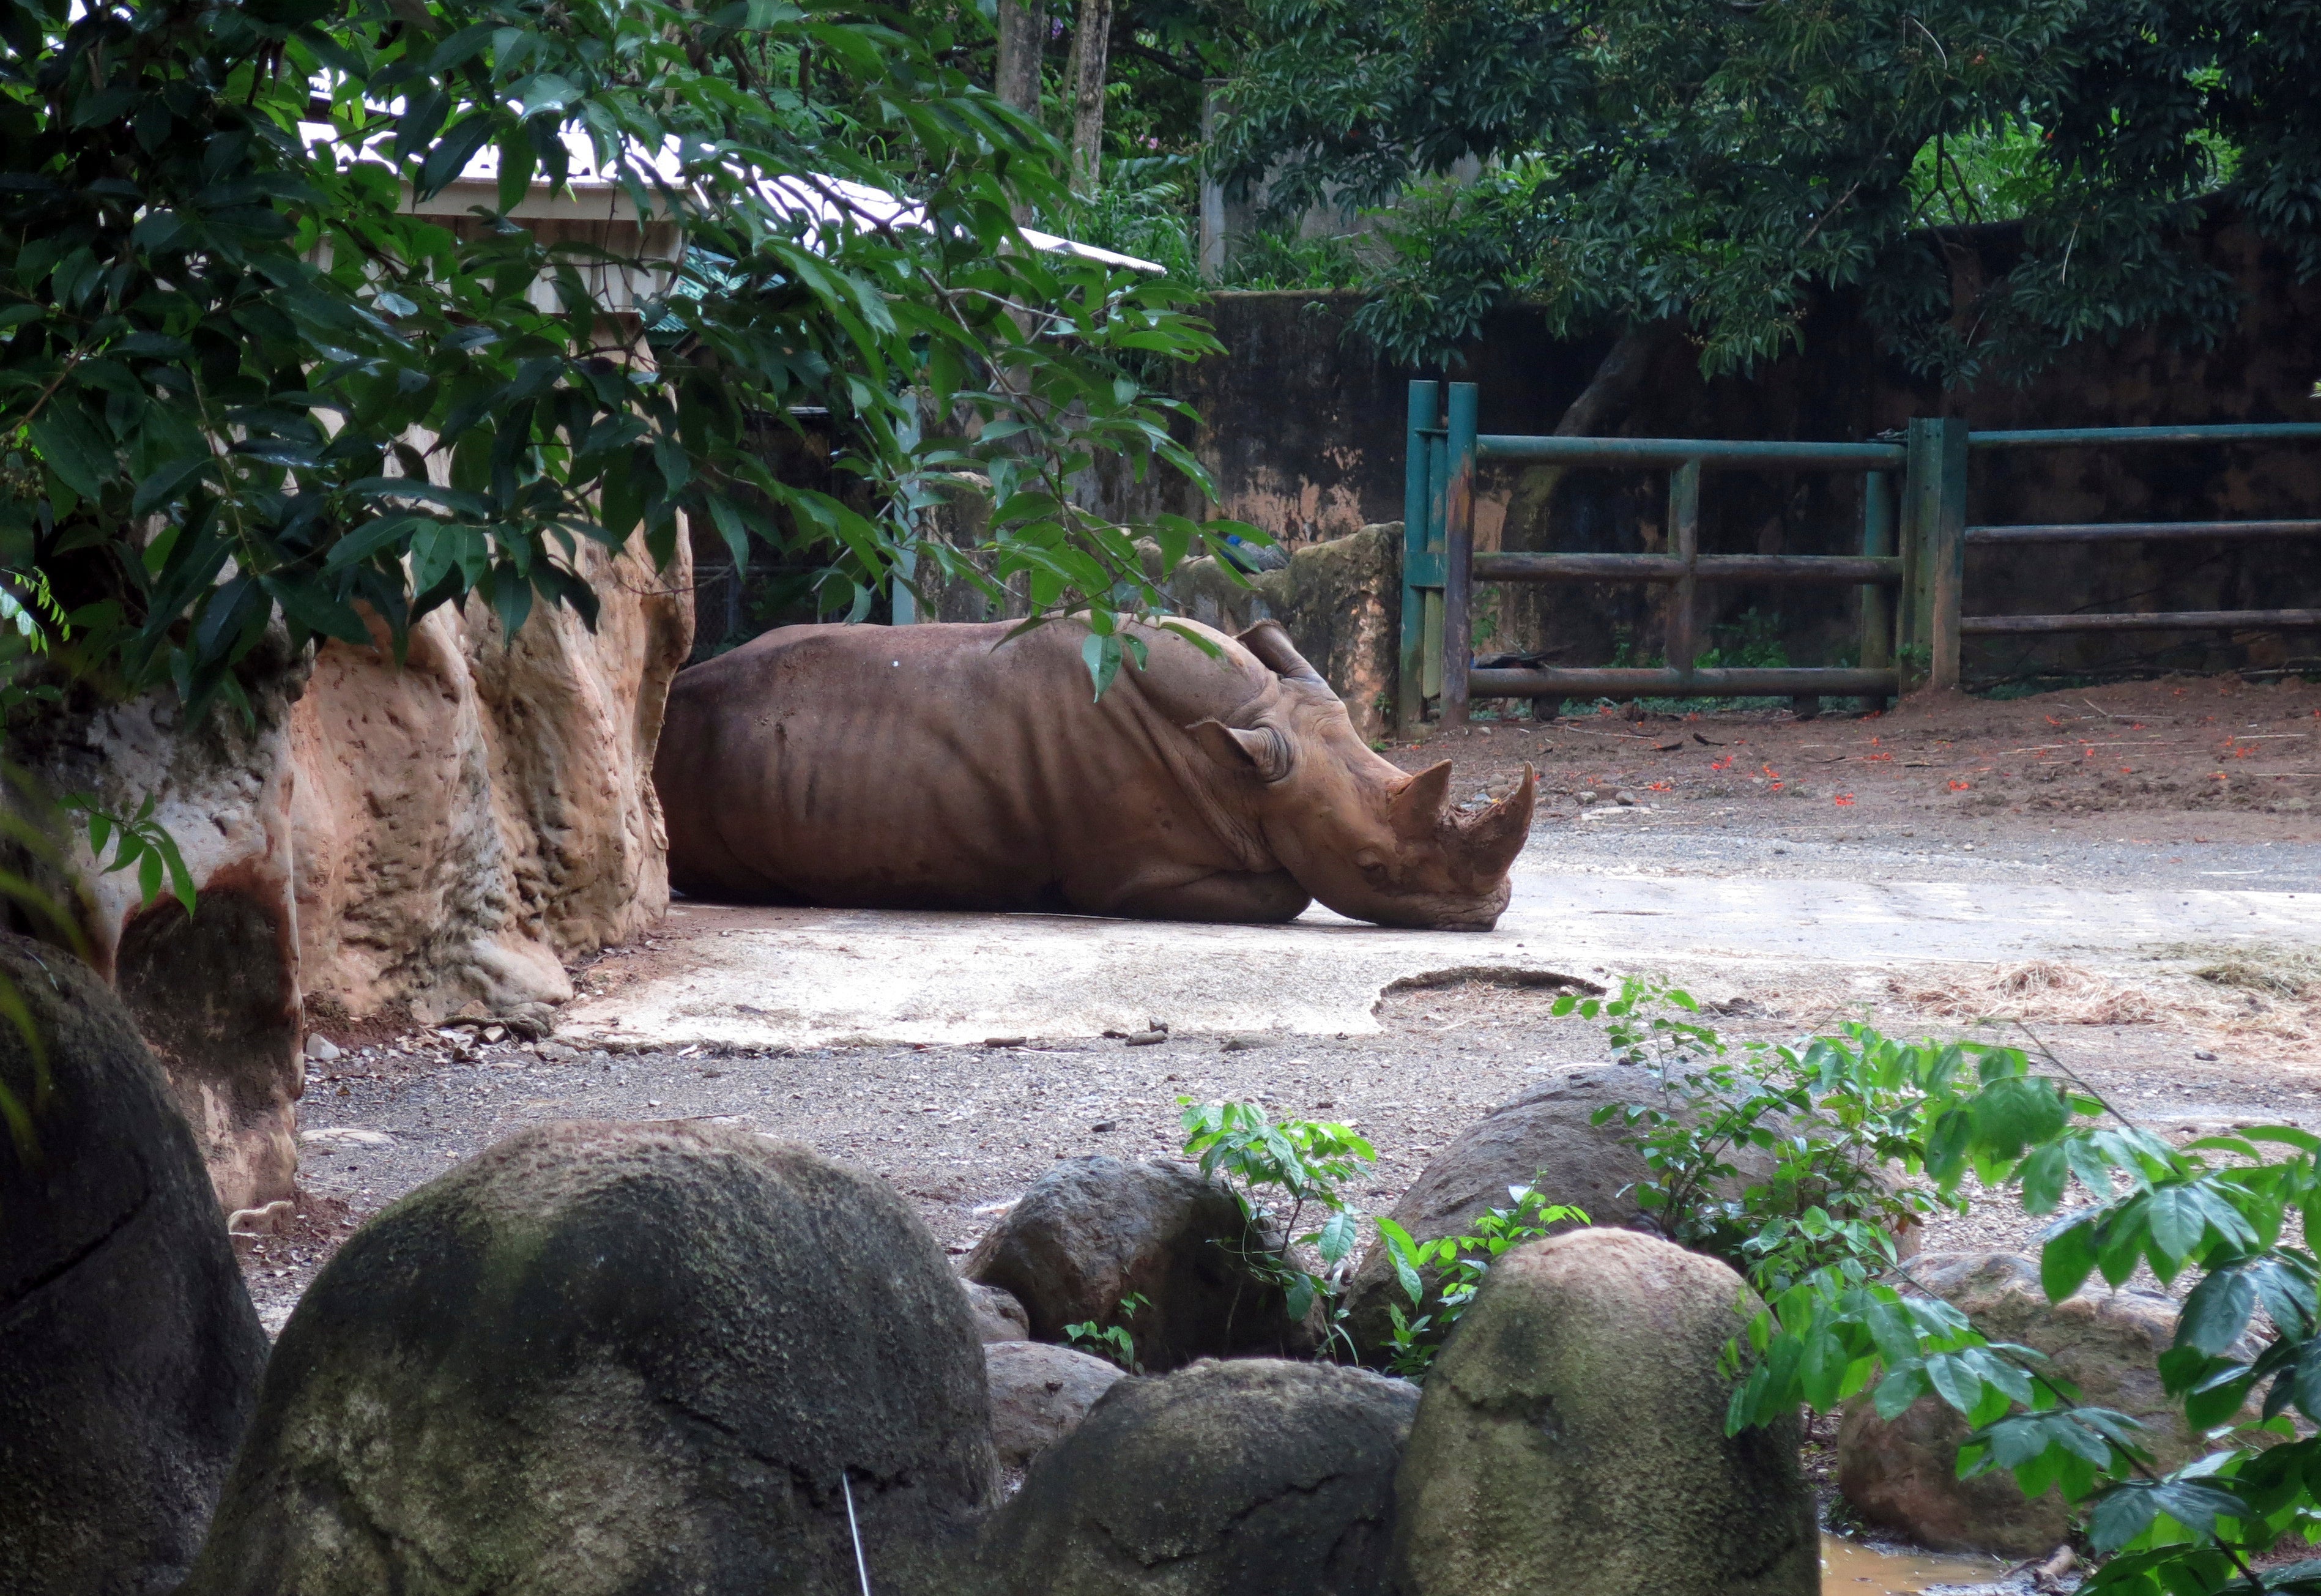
x,y
240,380
1704,169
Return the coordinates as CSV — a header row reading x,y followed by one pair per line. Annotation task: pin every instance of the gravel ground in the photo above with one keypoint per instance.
x,y
1953,788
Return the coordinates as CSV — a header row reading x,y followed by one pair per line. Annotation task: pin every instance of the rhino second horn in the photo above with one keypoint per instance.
x,y
1415,809
1494,837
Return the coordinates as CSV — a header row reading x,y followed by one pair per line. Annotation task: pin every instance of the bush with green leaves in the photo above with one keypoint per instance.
x,y
1302,1163
1459,1264
242,381
1840,1121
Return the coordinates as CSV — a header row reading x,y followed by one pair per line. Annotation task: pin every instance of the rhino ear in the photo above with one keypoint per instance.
x,y
1271,645
1416,806
1263,752
1494,837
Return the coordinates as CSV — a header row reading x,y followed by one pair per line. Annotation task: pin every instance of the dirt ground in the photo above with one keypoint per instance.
x,y
2188,749
2197,782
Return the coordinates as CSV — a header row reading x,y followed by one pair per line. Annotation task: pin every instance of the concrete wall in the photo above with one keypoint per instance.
x,y
1302,428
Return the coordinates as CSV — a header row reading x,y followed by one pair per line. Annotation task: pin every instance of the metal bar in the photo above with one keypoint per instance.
x,y
2228,432
1836,570
1430,678
1878,543
1712,453
2096,531
1459,553
2189,620
1423,569
1419,415
1559,682
1684,544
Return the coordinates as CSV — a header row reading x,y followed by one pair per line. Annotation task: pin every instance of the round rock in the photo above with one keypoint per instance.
x,y
1093,1231
1039,1395
1543,1138
998,1316
1573,1438
607,1359
130,1356
1256,1477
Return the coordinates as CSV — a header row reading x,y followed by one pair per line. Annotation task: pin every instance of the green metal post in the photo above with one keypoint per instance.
x,y
1458,551
1877,541
1409,689
1438,482
1933,532
1684,544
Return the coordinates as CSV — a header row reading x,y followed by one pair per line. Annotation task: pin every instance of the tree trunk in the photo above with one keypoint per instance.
x,y
1091,52
1609,395
1023,41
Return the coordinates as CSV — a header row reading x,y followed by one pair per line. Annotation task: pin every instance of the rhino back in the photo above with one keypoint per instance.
x,y
937,765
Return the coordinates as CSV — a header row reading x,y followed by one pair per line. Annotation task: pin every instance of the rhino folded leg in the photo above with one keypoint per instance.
x,y
1243,897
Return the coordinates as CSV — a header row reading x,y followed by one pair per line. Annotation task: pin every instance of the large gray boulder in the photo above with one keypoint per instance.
x,y
1092,1231
1902,1474
1573,1438
130,1356
1542,1137
605,1359
1251,1478
1039,1395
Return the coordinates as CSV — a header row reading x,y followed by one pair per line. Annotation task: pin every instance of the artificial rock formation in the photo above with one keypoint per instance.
x,y
375,838
1250,1478
130,1355
1572,1438
1093,1231
466,822
1902,1474
1340,601
607,1359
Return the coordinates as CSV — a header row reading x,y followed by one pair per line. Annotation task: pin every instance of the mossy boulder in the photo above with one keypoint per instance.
x,y
1573,1438
604,1359
130,1356
1256,1477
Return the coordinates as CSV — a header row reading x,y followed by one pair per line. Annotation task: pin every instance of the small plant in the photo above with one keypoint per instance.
x,y
1462,1261
1305,1160
1113,1342
1828,1116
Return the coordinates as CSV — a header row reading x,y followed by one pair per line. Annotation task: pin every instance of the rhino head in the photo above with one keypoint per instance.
x,y
1364,837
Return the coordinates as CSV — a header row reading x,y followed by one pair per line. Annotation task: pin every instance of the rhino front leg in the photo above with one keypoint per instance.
x,y
1235,896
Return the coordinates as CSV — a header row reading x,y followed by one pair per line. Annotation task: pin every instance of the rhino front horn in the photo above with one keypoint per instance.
x,y
1416,806
1494,837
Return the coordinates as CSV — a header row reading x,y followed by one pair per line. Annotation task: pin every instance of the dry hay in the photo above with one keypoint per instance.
x,y
2037,991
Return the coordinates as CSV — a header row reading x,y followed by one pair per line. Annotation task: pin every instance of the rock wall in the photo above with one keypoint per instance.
x,y
1341,601
377,841
466,822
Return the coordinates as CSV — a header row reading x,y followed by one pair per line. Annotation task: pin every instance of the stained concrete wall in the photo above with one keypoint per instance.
x,y
1301,427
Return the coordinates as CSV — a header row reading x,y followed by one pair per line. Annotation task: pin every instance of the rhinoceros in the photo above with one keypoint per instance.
x,y
954,766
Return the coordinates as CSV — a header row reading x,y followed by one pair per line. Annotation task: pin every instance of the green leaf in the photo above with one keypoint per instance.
x,y
161,486
69,444
2216,1312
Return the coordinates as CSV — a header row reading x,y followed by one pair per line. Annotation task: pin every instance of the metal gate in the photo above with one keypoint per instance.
x,y
1911,570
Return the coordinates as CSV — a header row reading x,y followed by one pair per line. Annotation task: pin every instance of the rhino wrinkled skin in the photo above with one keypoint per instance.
x,y
948,766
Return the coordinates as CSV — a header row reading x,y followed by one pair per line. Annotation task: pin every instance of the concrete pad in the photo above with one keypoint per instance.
x,y
778,977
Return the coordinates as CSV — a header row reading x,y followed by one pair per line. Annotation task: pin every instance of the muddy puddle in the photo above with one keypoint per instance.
x,y
1849,1568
